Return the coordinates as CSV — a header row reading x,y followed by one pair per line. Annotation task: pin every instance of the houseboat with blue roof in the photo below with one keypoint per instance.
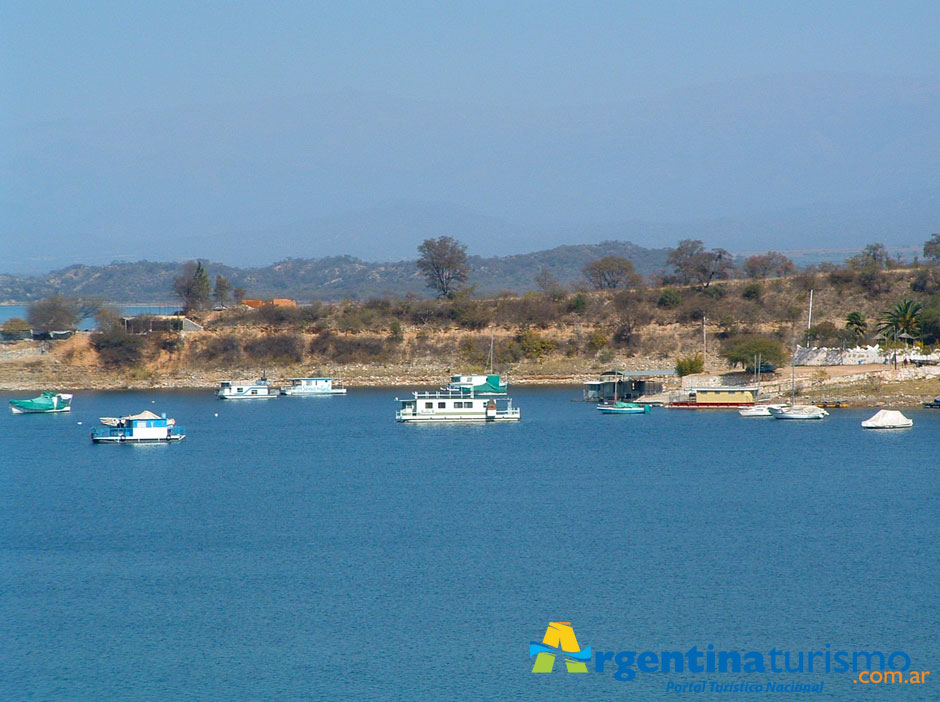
x,y
143,428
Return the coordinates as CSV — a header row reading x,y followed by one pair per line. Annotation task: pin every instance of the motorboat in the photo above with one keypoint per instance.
x,y
46,403
622,408
798,412
758,411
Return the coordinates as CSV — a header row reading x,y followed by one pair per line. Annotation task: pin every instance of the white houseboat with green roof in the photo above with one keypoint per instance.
x,y
455,406
481,385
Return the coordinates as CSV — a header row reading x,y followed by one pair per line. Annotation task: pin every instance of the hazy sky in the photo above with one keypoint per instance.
x,y
250,131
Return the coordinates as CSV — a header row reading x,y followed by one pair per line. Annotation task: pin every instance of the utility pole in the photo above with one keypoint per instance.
x,y
809,321
704,342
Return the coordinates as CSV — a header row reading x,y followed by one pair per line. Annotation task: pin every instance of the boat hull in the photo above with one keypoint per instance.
x,y
246,397
20,410
440,418
796,415
643,409
708,405
133,440
328,393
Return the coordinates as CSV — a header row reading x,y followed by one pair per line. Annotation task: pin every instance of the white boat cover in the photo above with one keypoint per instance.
x,y
887,419
146,414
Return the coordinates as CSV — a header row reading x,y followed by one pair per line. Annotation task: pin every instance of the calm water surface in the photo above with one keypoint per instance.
x,y
311,548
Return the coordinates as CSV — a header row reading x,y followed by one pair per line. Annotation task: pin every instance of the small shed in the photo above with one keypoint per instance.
x,y
625,385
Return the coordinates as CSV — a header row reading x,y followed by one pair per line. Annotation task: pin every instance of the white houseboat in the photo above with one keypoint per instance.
x,y
313,387
455,406
143,428
258,390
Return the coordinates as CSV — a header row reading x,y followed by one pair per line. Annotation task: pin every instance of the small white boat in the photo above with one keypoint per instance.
x,y
313,387
259,390
798,412
758,411
143,428
447,406
888,419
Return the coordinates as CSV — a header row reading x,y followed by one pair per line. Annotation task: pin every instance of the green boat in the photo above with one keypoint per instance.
x,y
623,408
479,385
44,404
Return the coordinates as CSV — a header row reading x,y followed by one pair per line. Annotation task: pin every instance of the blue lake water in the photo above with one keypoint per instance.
x,y
312,548
11,311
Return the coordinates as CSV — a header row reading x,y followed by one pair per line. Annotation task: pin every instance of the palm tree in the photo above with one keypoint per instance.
x,y
903,318
856,323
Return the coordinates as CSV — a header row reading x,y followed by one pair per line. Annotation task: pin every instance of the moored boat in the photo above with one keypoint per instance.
x,y
798,412
445,406
143,428
313,387
888,419
258,390
46,403
758,411
933,404
622,408
479,385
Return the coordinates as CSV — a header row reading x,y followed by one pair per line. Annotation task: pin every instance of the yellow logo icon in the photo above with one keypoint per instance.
x,y
559,640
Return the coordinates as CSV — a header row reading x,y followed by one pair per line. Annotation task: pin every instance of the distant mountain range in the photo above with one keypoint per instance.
x,y
332,278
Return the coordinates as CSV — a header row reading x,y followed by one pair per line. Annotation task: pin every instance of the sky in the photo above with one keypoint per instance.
x,y
246,132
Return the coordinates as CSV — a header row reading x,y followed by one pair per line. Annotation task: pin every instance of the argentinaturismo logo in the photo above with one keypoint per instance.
x,y
559,640
866,667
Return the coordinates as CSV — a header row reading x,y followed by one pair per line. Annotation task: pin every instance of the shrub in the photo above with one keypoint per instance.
x,y
275,316
117,348
669,298
15,325
752,291
578,304
534,346
596,341
282,348
689,365
220,350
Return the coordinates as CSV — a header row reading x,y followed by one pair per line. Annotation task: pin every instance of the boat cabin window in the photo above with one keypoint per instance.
x,y
441,405
428,405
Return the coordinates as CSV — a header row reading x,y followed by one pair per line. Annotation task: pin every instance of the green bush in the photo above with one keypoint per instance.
x,y
534,346
669,298
752,291
596,341
690,365
117,348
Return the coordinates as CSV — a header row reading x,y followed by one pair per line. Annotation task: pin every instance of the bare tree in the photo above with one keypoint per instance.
x,y
54,313
443,263
693,264
612,272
